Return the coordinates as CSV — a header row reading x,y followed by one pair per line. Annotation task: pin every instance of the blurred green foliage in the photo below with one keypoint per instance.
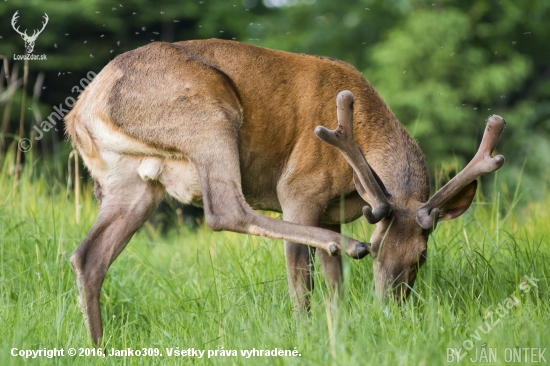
x,y
443,67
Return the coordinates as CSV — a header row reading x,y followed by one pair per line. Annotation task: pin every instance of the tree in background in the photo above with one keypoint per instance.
x,y
442,67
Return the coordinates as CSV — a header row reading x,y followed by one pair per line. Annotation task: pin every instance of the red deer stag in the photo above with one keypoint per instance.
x,y
230,127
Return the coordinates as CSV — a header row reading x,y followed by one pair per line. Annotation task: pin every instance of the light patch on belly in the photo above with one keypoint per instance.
x,y
122,157
150,168
179,177
181,180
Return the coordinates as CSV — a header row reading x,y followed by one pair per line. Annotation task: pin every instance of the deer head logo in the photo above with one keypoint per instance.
x,y
29,40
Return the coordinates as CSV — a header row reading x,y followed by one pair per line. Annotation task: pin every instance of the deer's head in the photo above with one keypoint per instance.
x,y
403,224
29,40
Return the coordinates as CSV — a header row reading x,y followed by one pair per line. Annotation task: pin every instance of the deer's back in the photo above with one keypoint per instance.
x,y
157,93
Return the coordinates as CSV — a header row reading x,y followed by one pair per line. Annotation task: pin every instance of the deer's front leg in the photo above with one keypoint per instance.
x,y
299,261
299,267
332,267
299,257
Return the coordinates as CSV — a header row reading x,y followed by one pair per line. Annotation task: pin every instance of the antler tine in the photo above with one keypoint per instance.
x,y
342,138
14,21
36,32
16,15
45,22
480,164
14,18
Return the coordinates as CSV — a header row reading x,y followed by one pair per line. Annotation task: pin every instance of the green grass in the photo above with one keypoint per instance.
x,y
211,291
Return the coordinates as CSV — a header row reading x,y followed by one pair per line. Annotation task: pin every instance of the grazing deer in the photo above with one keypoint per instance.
x,y
230,127
29,40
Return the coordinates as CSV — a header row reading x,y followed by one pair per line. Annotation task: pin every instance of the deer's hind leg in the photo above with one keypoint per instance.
x,y
125,202
225,207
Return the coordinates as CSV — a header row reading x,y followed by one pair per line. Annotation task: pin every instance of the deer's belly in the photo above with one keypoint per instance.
x,y
352,206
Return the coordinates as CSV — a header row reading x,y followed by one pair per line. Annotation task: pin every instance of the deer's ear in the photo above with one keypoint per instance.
x,y
459,203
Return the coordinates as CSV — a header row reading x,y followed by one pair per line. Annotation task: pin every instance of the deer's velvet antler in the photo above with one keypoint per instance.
x,y
343,139
481,163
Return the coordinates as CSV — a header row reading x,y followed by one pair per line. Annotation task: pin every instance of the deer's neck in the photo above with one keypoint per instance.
x,y
392,153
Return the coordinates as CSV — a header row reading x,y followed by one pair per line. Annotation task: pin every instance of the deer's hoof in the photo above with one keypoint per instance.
x,y
360,251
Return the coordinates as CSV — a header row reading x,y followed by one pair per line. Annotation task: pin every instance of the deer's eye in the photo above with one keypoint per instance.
x,y
423,257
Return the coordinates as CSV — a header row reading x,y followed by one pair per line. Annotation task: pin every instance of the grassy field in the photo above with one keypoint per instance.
x,y
224,291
